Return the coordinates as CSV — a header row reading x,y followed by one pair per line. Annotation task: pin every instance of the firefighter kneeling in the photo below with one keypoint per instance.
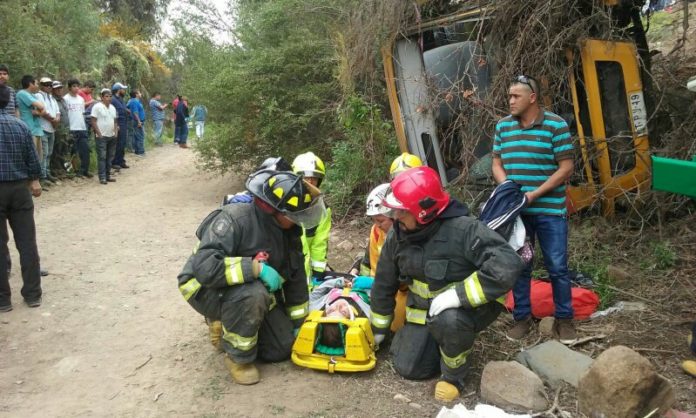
x,y
246,274
456,269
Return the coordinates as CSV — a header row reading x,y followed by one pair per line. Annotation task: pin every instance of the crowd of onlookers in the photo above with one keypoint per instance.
x,y
65,119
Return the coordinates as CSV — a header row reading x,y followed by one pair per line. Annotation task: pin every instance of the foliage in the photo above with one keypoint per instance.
x,y
361,161
141,15
275,89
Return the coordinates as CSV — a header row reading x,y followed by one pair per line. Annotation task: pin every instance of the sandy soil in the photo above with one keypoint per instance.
x,y
115,338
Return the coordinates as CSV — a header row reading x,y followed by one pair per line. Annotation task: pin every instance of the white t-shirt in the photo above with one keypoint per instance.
x,y
105,118
76,110
51,108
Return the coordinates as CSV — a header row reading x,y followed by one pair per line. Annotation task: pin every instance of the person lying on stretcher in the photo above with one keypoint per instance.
x,y
342,298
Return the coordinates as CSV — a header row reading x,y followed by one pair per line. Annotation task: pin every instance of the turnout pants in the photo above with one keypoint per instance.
x,y
254,325
442,344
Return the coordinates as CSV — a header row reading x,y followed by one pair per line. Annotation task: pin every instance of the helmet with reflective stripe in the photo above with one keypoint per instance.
x,y
288,194
309,165
375,199
420,192
403,162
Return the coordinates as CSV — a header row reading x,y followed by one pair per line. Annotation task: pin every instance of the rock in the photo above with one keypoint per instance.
x,y
553,362
508,384
401,398
618,275
546,326
415,405
621,384
346,246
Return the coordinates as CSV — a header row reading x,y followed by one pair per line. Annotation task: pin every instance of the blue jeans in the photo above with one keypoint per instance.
x,y
552,233
183,133
157,129
47,142
138,138
106,148
81,147
119,159
200,128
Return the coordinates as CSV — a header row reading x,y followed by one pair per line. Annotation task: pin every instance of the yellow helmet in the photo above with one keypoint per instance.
x,y
403,162
309,165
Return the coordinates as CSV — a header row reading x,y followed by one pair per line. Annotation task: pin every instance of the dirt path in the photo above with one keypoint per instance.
x,y
114,336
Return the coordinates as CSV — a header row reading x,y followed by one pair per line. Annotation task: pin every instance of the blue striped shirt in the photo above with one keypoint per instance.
x,y
530,156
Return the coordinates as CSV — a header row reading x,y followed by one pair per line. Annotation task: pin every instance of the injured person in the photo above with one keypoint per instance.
x,y
337,336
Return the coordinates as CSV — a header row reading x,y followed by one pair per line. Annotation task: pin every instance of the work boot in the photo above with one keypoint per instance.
x,y
215,328
520,329
445,391
564,330
242,374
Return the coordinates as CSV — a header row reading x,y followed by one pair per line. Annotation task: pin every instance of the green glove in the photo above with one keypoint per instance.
x,y
270,278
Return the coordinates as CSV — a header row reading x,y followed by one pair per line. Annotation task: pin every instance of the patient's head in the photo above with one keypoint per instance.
x,y
340,308
331,333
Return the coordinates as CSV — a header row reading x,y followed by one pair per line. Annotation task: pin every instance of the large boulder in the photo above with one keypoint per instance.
x,y
623,384
510,385
555,363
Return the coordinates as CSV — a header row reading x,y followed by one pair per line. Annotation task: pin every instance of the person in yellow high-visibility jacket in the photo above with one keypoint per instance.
x,y
315,241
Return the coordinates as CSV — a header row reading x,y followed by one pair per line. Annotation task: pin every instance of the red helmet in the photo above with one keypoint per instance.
x,y
419,191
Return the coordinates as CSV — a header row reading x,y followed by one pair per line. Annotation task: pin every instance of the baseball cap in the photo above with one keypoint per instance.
x,y
57,84
104,91
45,80
118,86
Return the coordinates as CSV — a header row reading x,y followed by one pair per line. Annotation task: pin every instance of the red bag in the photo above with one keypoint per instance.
x,y
585,301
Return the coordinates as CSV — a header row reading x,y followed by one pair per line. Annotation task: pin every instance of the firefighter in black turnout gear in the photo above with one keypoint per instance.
x,y
456,269
246,274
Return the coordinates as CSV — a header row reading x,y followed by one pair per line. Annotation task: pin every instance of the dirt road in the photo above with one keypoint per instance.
x,y
115,338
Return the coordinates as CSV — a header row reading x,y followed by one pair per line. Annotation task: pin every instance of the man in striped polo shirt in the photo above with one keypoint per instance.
x,y
533,147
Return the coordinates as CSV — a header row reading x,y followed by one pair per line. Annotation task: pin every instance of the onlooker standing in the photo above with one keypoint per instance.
x,y
49,121
200,113
75,105
533,147
19,168
137,112
181,121
31,109
157,111
119,92
105,126
86,93
61,146
177,130
11,108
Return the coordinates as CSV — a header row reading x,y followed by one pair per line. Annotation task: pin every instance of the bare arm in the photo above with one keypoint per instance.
x,y
565,169
499,174
95,127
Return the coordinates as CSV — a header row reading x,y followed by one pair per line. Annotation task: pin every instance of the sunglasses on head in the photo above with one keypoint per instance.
x,y
526,80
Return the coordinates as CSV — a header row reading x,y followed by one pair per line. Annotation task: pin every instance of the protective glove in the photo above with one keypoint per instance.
x,y
445,300
295,332
363,282
270,278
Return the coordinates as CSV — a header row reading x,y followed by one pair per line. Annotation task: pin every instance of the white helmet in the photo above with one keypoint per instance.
x,y
374,200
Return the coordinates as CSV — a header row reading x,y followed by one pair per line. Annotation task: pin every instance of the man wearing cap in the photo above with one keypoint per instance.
x,y
11,108
456,270
19,180
31,109
49,121
105,126
75,105
118,101
246,274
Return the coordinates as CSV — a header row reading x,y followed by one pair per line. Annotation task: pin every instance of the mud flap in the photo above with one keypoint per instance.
x,y
415,352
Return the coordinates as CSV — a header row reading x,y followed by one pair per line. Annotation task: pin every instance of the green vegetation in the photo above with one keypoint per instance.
x,y
662,25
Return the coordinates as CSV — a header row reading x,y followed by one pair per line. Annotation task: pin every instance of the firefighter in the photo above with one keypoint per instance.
x,y
456,270
246,274
315,241
402,163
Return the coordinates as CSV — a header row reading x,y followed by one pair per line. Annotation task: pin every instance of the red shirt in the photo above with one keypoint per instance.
x,y
87,96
